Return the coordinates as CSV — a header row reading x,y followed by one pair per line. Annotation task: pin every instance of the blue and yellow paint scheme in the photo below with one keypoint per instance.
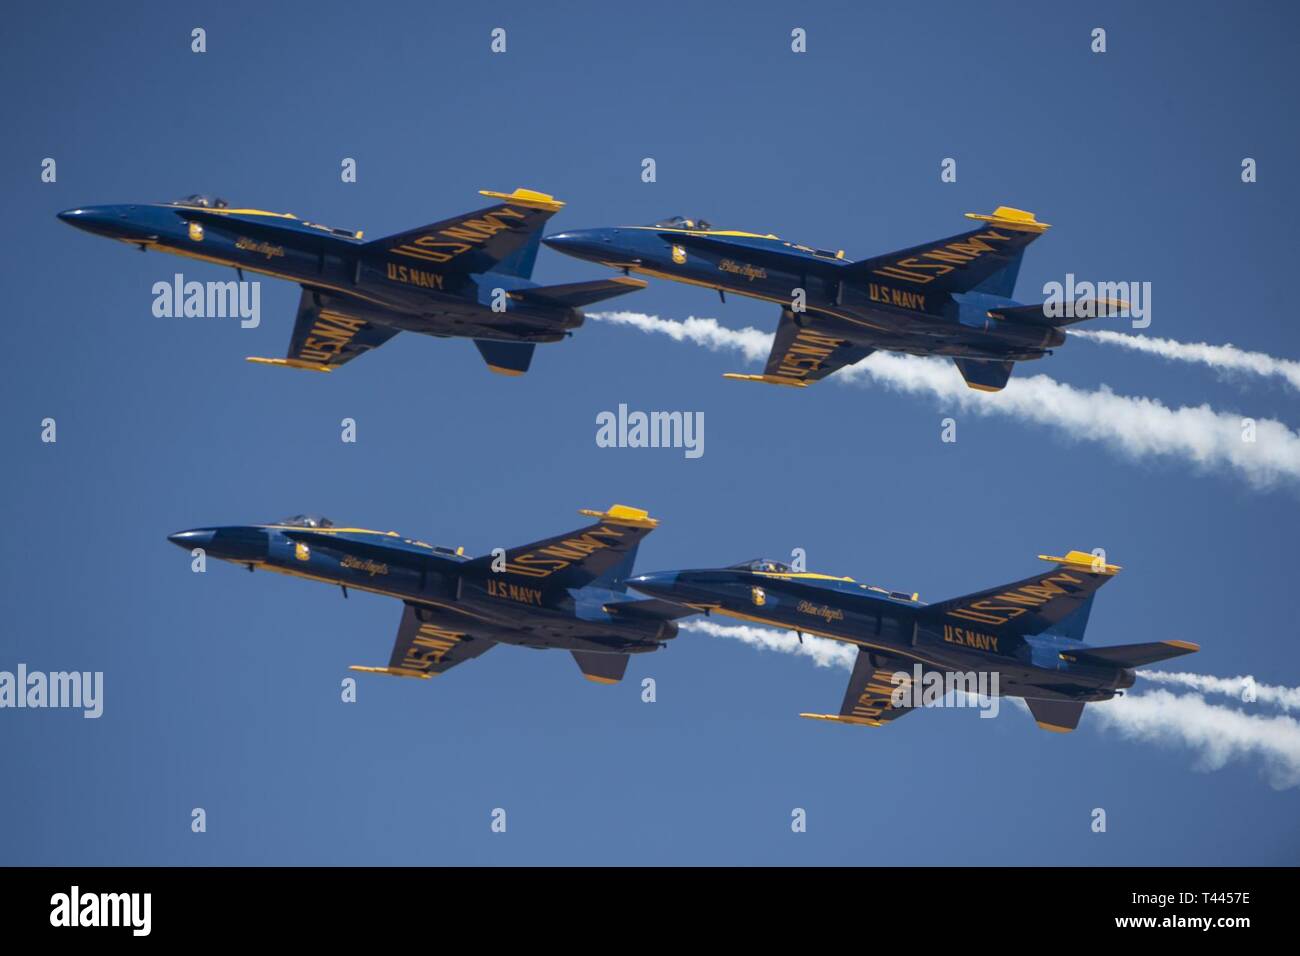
x,y
949,297
1029,632
463,277
568,591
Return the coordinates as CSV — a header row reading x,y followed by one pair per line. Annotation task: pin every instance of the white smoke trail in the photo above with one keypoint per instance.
x,y
713,335
1136,426
1217,734
1285,698
1227,358
823,651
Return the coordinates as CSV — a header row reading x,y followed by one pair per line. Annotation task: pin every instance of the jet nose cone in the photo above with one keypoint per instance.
x,y
582,243
112,221
189,540
81,218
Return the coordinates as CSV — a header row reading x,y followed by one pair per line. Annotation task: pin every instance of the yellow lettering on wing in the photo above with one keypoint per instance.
x,y
465,235
556,556
943,259
329,335
807,353
429,646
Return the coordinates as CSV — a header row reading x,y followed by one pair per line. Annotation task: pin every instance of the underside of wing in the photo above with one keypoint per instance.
x,y
328,332
425,649
869,698
806,349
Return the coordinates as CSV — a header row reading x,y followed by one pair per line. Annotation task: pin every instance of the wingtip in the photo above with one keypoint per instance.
x,y
289,363
767,379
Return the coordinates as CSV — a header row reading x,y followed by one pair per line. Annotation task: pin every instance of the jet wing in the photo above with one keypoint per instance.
x,y
503,237
806,349
328,332
600,553
868,698
986,259
426,650
1044,602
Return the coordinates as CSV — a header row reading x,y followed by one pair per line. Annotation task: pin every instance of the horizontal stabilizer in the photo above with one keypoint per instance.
x,y
652,609
506,358
601,668
1134,655
985,376
1080,311
1060,716
577,294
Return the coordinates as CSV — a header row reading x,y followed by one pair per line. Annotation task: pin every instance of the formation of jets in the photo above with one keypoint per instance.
x,y
577,592
470,276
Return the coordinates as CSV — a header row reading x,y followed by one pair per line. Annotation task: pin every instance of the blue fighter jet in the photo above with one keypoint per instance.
x,y
949,297
1029,633
463,277
569,591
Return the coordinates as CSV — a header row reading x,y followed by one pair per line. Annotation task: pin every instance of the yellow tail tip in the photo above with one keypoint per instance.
x,y
1083,561
1011,218
527,197
622,514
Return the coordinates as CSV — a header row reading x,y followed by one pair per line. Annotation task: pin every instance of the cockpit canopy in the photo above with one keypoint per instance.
x,y
202,202
308,521
762,564
680,222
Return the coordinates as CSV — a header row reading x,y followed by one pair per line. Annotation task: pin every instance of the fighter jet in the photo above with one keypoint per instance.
x,y
949,297
1029,633
463,277
566,592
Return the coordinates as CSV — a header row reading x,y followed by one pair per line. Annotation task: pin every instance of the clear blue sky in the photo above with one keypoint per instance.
x,y
222,690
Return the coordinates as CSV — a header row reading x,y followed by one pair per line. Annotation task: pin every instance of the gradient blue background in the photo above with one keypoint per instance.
x,y
222,690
